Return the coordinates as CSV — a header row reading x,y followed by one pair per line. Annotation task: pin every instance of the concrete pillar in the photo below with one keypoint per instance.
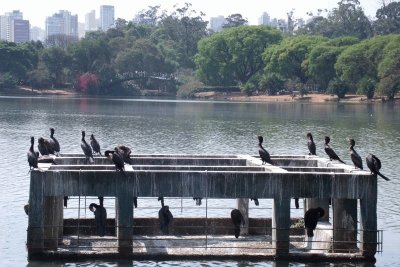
x,y
35,242
368,226
281,226
51,221
242,204
124,215
344,225
312,203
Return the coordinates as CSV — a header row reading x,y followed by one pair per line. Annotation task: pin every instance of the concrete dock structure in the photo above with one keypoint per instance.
x,y
215,177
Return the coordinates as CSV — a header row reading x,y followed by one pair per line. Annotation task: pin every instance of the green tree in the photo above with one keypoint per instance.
x,y
56,60
234,20
388,19
338,87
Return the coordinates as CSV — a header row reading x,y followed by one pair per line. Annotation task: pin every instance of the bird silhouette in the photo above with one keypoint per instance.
x,y
311,218
374,164
330,152
95,145
44,147
237,220
32,155
311,144
355,158
87,150
100,215
116,158
164,217
264,155
54,142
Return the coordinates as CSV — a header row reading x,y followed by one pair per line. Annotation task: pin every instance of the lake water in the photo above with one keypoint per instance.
x,y
192,127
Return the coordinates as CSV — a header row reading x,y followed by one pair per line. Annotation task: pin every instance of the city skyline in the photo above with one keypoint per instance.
x,y
250,9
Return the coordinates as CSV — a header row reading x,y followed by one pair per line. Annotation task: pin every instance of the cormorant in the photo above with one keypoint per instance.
x,y
355,158
331,153
311,218
164,217
255,201
26,209
44,146
264,155
100,215
32,155
116,159
87,150
198,200
135,202
66,201
95,145
311,144
101,201
374,164
54,143
237,220
124,152
296,202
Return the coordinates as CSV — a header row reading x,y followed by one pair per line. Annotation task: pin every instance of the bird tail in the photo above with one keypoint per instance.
x,y
237,231
383,176
91,160
342,161
310,232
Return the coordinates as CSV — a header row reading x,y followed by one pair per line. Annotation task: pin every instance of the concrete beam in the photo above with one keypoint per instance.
x,y
281,226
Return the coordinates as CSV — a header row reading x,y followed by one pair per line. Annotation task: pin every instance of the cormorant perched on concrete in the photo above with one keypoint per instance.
x,y
100,215
54,143
87,150
296,202
255,201
264,155
311,144
374,164
124,152
330,152
32,155
237,220
95,145
198,200
164,217
116,159
355,158
311,218
45,147
66,201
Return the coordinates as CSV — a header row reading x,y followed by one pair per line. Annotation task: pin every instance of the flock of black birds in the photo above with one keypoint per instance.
x,y
121,155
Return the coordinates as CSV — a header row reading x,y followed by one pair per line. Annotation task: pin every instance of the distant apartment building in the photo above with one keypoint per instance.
x,y
90,21
216,23
106,17
13,28
264,19
62,23
37,34
279,24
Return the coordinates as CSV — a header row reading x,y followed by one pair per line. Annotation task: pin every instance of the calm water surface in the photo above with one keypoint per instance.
x,y
169,126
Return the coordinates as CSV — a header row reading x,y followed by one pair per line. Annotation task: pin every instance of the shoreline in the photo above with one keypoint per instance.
x,y
211,95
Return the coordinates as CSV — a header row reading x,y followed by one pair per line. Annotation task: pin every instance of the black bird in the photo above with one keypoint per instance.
x,y
296,202
116,159
198,200
45,147
101,201
54,143
164,217
264,155
355,158
87,150
330,152
124,152
32,155
66,201
135,202
255,201
311,218
95,145
237,220
100,215
374,164
26,209
311,144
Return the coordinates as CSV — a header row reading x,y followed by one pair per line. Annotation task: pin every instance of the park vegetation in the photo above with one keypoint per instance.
x,y
175,54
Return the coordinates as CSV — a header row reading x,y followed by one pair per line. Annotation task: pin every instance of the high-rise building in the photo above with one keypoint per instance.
x,y
90,21
6,22
216,23
20,31
265,19
106,17
62,23
37,34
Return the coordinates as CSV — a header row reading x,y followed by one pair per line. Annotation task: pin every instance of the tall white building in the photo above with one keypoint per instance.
x,y
6,24
90,21
264,19
106,17
216,23
62,23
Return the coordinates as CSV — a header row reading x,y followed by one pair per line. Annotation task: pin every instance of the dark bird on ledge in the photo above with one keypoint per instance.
x,y
87,150
164,217
311,218
374,164
100,215
330,152
54,143
32,155
296,202
135,202
237,220
198,200
124,152
355,158
45,147
95,145
264,155
116,158
66,201
255,201
311,145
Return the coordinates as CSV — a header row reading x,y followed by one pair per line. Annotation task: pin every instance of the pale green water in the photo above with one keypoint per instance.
x,y
156,126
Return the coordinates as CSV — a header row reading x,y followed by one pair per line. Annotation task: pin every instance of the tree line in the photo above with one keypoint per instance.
x,y
174,53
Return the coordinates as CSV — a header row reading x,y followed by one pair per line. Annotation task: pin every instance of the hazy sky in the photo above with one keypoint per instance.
x,y
36,11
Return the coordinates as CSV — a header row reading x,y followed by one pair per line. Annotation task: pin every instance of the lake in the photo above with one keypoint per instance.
x,y
193,127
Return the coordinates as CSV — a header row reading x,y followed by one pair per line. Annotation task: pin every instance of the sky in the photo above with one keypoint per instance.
x,y
36,11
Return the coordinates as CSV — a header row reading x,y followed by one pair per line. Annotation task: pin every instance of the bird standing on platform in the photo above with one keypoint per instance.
x,y
330,152
311,218
311,145
32,155
95,145
54,142
198,200
87,150
164,217
116,158
264,155
100,215
374,164
124,152
45,147
355,158
237,220
255,201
